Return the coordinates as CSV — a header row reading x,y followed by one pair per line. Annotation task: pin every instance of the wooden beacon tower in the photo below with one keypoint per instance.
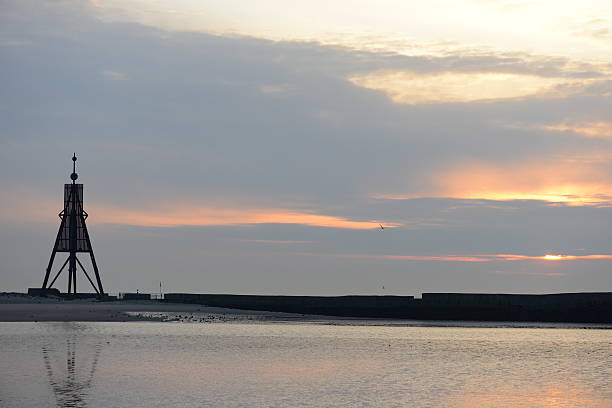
x,y
73,238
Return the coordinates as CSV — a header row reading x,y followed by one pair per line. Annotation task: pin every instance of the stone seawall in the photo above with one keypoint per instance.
x,y
563,307
351,306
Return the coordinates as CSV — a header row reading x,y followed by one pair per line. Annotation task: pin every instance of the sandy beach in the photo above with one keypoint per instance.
x,y
22,308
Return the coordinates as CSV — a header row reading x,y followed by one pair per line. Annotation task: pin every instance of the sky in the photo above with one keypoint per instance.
x,y
259,147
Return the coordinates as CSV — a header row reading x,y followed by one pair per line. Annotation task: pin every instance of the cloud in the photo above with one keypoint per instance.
x,y
276,241
481,258
526,273
206,149
114,75
587,129
15,43
599,29
405,87
203,216
565,180
38,208
273,89
445,258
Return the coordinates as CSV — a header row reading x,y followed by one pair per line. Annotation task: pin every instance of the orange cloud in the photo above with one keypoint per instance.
x,y
32,207
564,182
480,257
549,257
201,216
572,181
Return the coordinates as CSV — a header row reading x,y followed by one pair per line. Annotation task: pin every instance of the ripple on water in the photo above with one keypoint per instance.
x,y
234,363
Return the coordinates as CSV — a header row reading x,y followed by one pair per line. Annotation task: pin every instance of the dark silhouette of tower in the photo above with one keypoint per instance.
x,y
71,391
73,238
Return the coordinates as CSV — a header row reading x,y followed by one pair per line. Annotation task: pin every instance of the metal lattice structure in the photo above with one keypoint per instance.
x,y
73,238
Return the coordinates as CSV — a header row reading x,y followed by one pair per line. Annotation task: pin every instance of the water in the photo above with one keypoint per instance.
x,y
272,364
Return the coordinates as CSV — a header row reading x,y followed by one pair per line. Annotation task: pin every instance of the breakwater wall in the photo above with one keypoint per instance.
x,y
594,307
563,307
348,306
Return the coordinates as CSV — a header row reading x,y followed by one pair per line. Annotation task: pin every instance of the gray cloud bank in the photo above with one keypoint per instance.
x,y
161,117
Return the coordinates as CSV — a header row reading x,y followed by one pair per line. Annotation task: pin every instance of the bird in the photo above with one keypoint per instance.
x,y
381,227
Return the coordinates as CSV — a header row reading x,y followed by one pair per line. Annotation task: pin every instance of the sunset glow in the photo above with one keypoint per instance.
x,y
550,397
481,257
556,257
202,216
562,181
291,203
461,137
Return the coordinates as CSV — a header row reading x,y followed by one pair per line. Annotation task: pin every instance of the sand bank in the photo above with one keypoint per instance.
x,y
20,308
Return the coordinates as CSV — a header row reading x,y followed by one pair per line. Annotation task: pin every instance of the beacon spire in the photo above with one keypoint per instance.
x,y
74,176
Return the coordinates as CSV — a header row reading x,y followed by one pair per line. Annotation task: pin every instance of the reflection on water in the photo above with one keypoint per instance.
x,y
308,365
542,398
70,384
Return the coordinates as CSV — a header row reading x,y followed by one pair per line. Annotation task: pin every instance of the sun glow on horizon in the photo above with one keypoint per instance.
x,y
550,257
565,180
481,257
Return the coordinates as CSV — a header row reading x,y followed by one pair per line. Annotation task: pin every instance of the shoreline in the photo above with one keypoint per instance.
x,y
18,308
23,308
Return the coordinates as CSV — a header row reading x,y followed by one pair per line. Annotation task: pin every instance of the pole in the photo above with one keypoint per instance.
x,y
73,236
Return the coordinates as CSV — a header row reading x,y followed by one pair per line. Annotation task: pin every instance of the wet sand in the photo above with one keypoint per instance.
x,y
19,308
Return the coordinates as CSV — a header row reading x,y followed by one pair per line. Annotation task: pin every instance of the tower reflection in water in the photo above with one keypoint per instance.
x,y
71,381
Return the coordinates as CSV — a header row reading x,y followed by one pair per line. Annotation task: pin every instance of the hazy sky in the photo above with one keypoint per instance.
x,y
255,147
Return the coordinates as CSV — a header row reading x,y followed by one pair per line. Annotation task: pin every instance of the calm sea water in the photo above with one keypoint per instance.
x,y
301,365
